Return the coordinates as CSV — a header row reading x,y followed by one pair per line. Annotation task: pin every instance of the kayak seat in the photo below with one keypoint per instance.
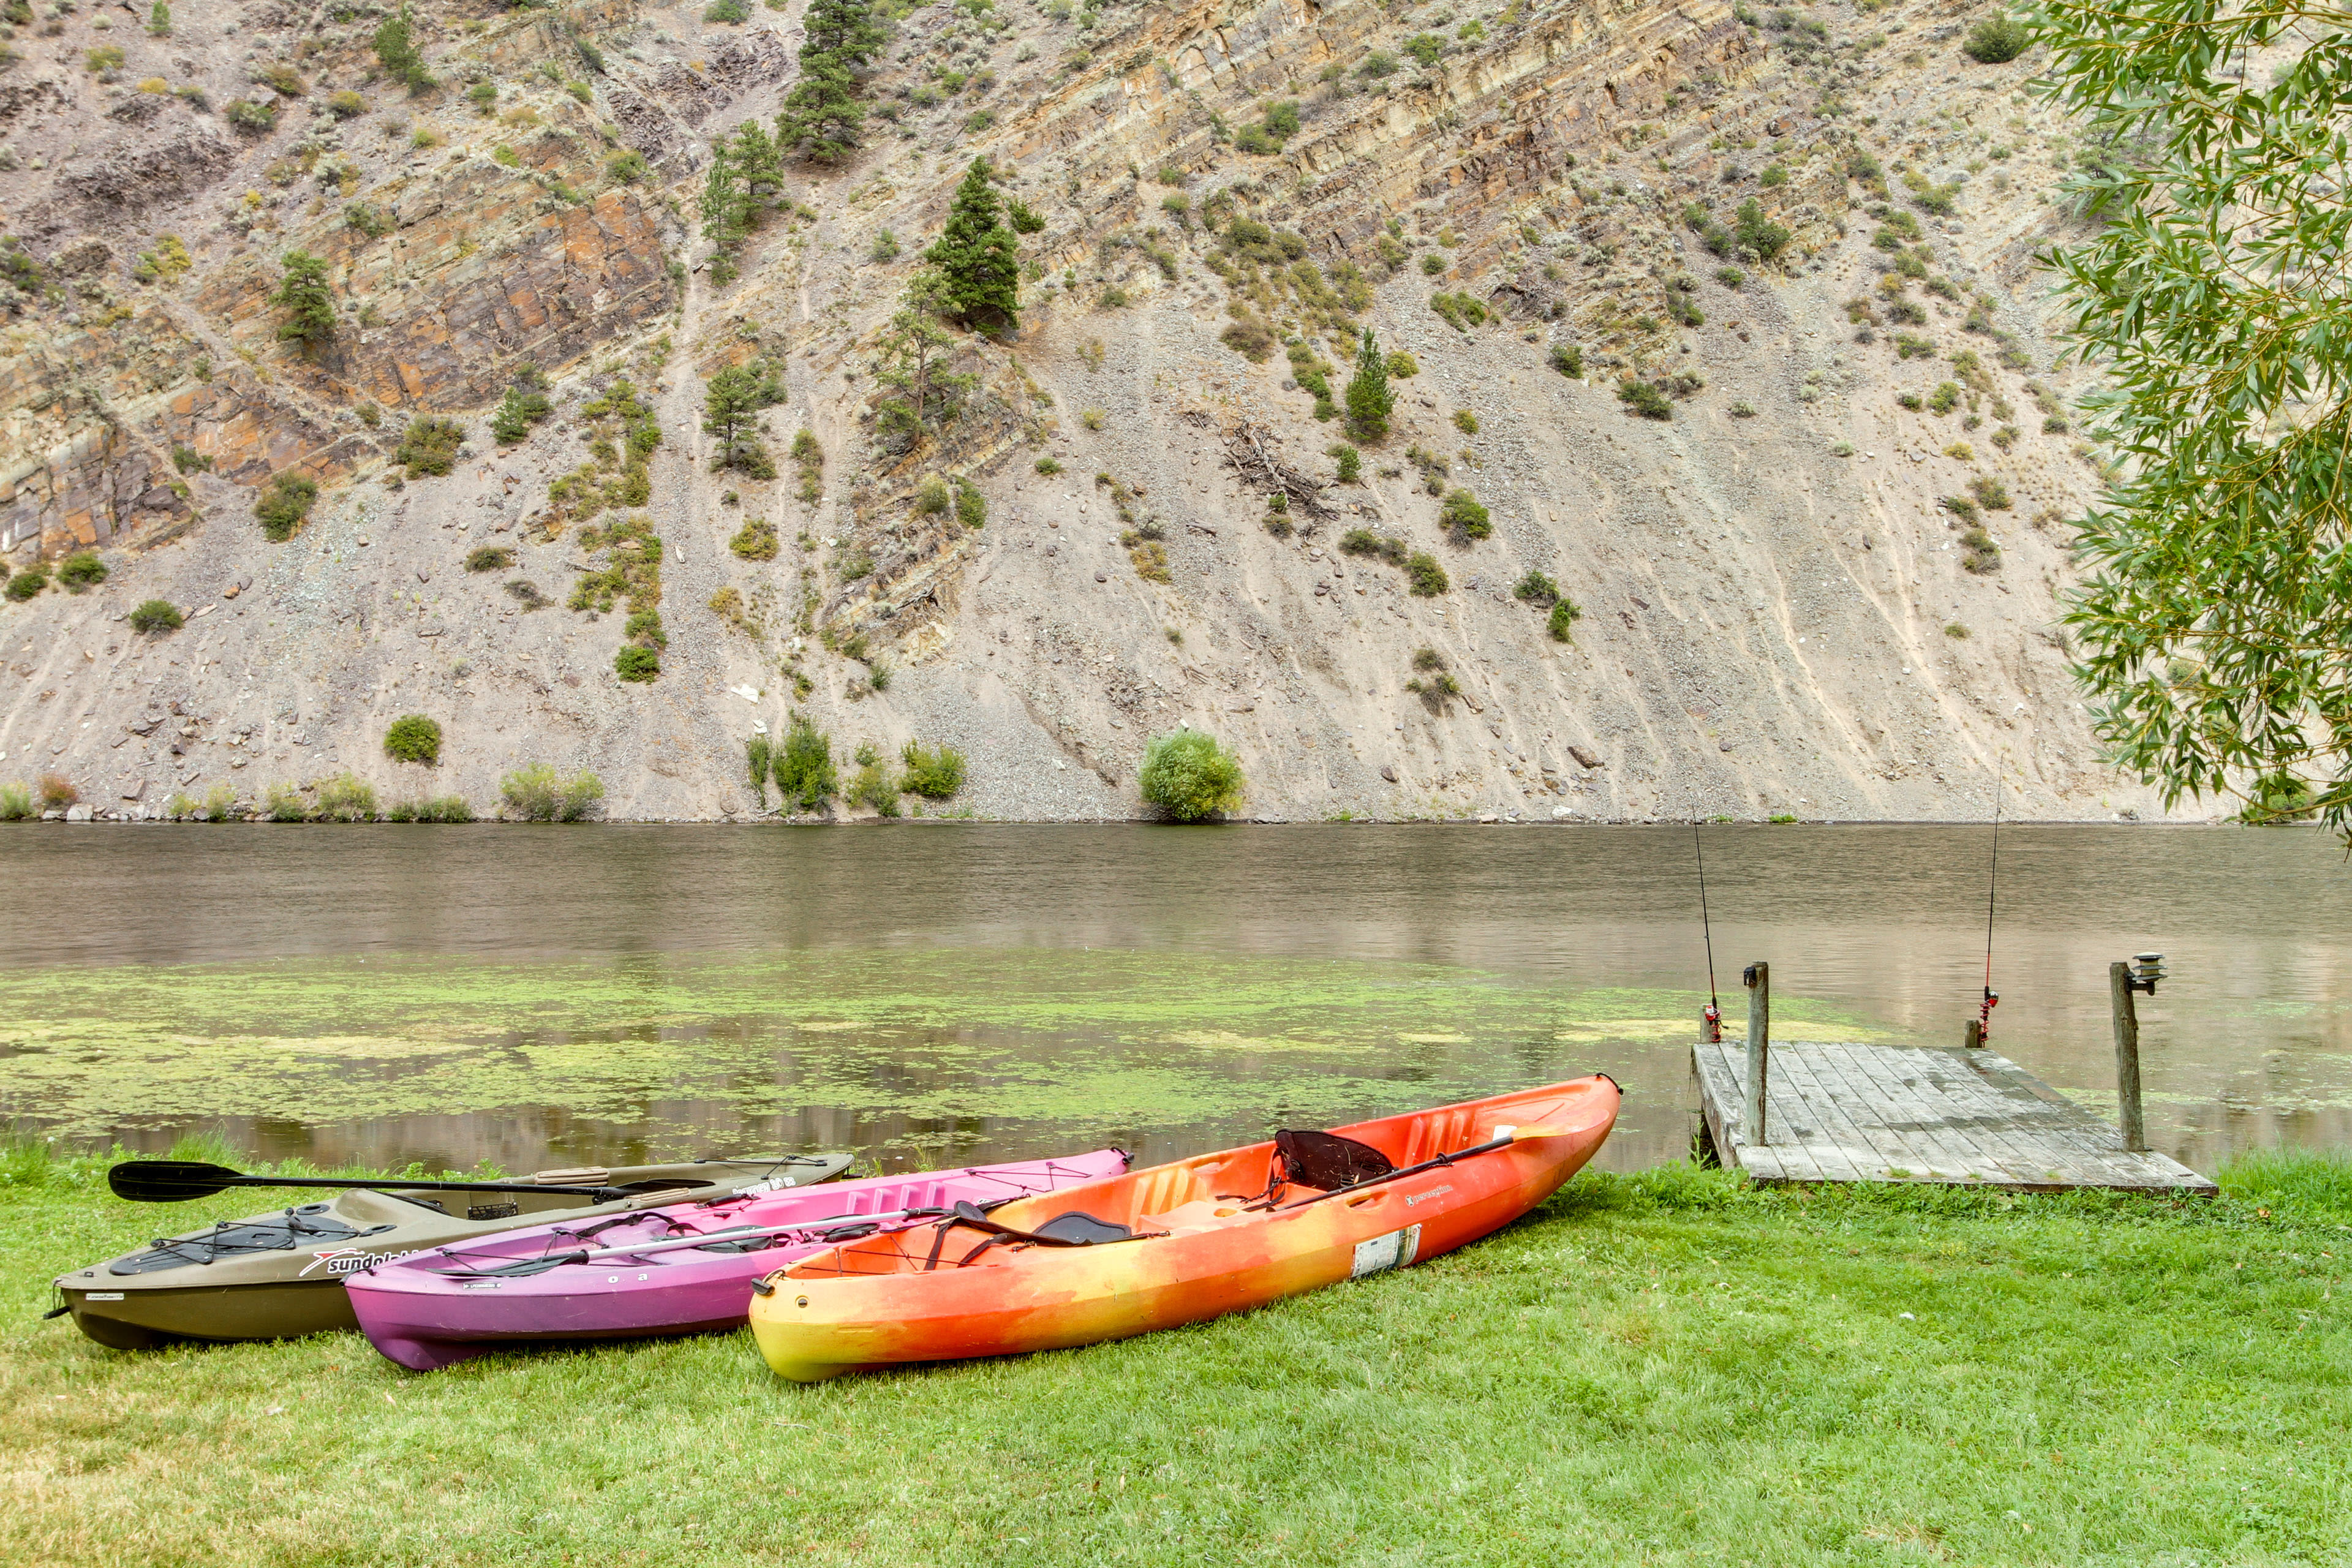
x,y
1326,1161
1079,1228
1074,1227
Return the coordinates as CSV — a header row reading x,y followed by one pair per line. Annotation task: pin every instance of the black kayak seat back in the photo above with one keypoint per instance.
x,y
1074,1227
1326,1161
1083,1230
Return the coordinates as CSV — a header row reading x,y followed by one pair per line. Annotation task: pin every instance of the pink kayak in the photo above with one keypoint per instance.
x,y
683,1270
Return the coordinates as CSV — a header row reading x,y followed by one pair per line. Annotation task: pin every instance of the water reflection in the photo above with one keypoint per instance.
x,y
540,997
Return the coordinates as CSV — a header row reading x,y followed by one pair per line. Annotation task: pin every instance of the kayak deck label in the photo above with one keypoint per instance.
x,y
1394,1250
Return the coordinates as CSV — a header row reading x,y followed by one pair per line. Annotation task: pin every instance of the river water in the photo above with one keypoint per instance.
x,y
953,993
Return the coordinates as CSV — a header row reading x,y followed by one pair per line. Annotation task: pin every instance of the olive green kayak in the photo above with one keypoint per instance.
x,y
280,1274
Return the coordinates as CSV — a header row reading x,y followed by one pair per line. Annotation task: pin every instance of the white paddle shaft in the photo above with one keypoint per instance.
x,y
741,1232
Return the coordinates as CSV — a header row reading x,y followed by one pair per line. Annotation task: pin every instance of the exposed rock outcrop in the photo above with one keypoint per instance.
x,y
1811,589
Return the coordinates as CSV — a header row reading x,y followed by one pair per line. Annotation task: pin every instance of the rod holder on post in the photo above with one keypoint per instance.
x,y
1972,1037
2141,974
1757,978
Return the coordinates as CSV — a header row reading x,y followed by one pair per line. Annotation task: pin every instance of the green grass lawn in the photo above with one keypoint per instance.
x,y
1665,1368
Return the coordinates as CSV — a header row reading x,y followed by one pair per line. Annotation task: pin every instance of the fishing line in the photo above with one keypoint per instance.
x,y
1992,886
1714,1017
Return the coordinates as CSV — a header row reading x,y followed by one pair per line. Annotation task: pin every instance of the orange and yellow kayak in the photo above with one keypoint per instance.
x,y
1182,1242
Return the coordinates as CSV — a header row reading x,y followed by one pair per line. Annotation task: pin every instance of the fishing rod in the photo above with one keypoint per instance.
x,y
1992,885
1712,1020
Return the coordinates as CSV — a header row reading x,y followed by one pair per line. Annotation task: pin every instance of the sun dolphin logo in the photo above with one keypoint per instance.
x,y
351,1259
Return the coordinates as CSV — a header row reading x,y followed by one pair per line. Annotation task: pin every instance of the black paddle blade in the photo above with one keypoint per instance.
x,y
168,1181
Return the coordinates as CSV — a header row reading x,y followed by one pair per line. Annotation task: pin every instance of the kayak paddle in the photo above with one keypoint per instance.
x,y
523,1266
177,1181
1504,1138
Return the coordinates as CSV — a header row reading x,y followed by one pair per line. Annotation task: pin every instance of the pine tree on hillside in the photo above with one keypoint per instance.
x,y
1370,400
310,306
722,200
978,257
845,29
760,166
822,116
730,411
395,49
916,352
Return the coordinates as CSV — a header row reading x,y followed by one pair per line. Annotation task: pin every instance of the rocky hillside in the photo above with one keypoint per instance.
x,y
1728,320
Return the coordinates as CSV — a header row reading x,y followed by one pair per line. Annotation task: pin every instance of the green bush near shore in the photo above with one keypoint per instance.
x,y
346,797
935,772
535,793
804,770
431,808
1667,1368
1188,775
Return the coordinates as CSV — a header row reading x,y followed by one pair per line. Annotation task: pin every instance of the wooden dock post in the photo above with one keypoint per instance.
x,y
2120,988
1758,981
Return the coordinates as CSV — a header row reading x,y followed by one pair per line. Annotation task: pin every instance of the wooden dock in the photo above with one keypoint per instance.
x,y
1847,1112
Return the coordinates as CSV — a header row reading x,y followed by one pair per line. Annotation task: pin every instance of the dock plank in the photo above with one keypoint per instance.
x,y
1788,1122
1915,1106
1833,1140
1885,1115
2023,1153
1847,1110
1724,1071
1845,1154
1719,1094
2059,1124
2047,1139
2026,1160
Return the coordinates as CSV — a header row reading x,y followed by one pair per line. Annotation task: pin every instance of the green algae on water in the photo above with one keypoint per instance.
x,y
1086,1040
